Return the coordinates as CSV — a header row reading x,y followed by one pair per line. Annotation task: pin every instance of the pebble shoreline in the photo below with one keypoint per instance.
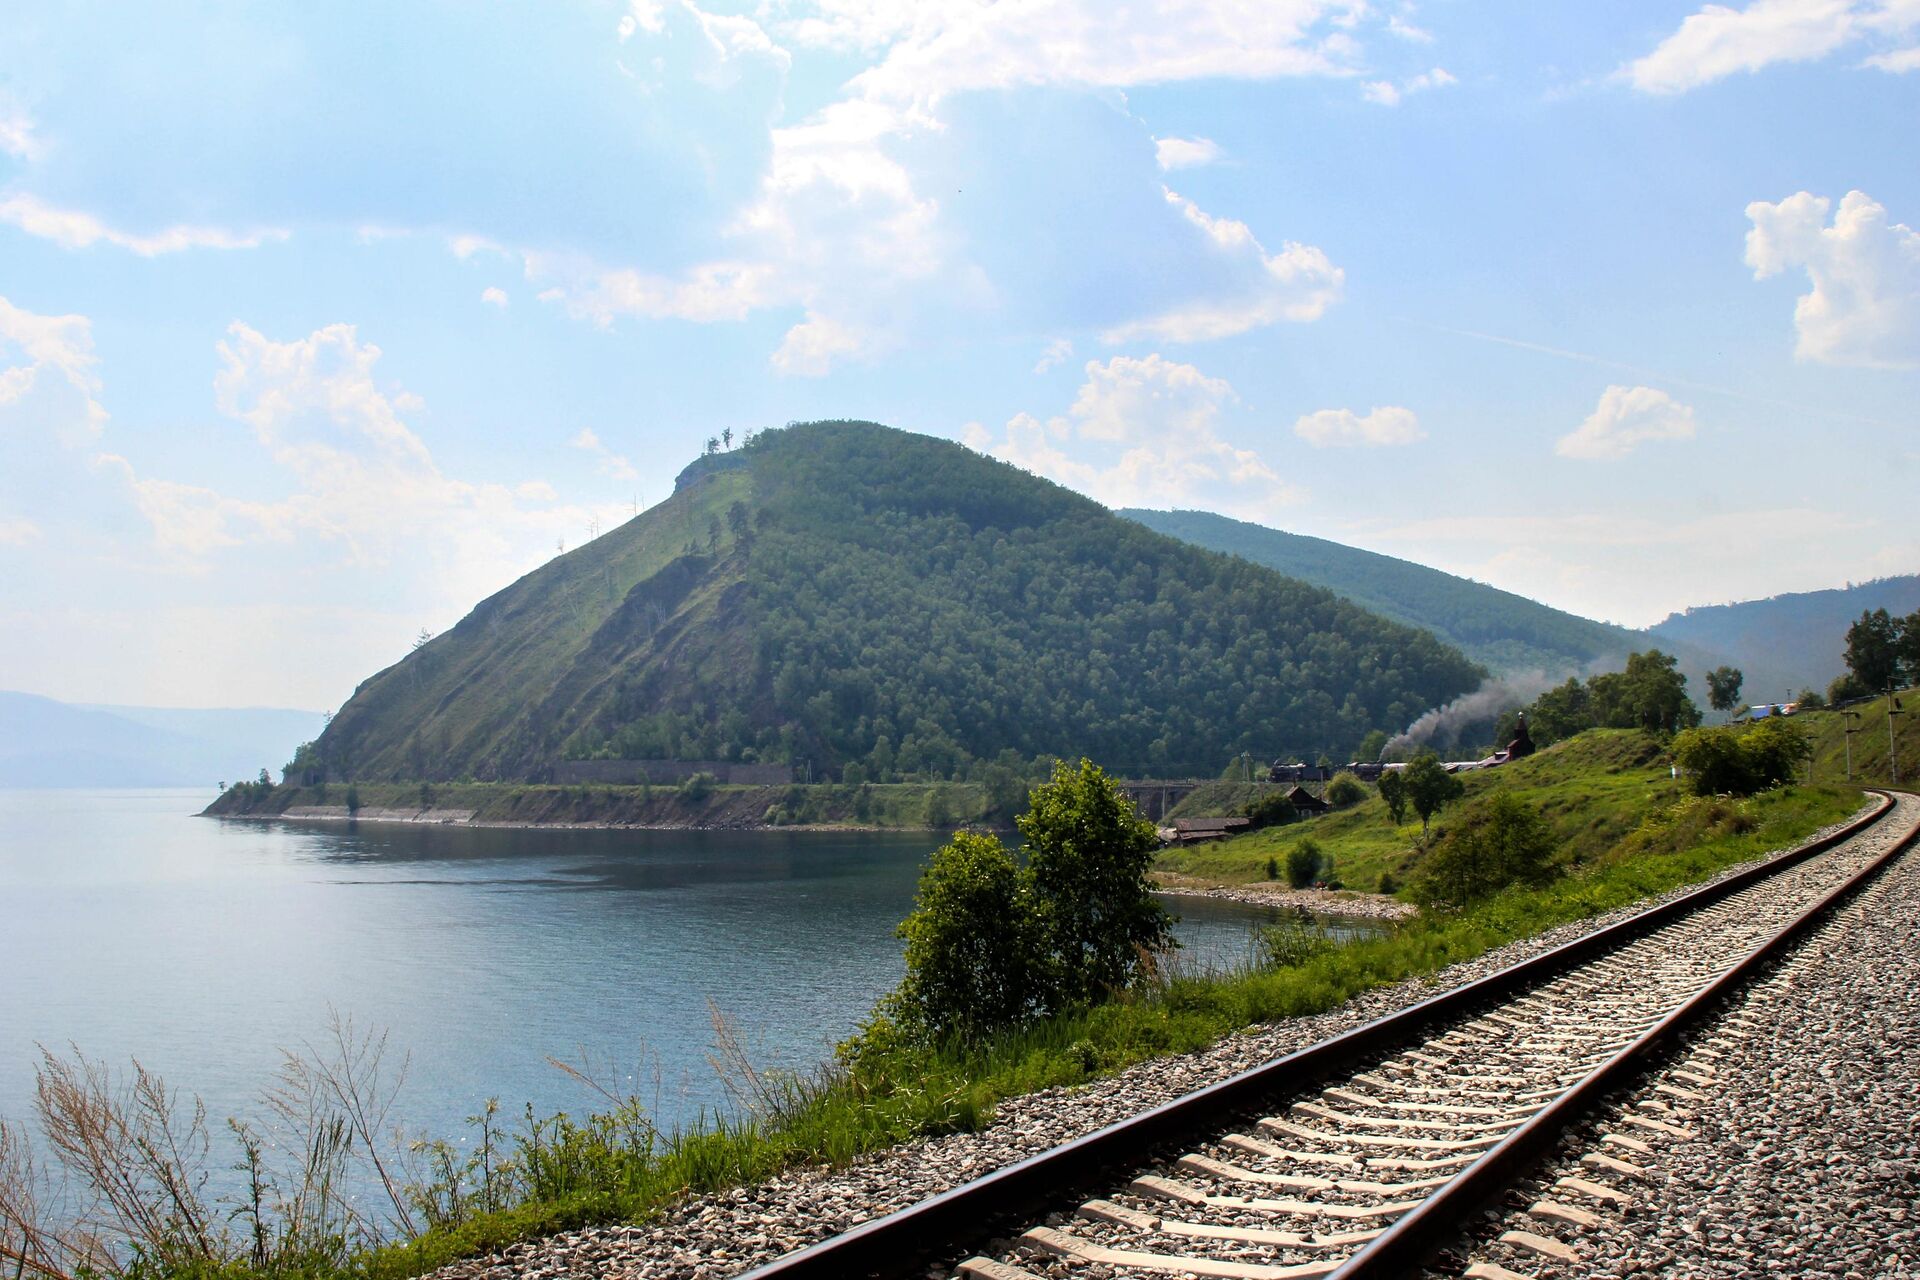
x,y
723,1234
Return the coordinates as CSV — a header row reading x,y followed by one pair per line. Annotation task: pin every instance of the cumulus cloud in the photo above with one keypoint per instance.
x,y
74,229
840,227
606,462
48,375
494,296
1386,93
1625,419
1719,41
1331,428
1185,153
1142,432
1297,283
1864,306
364,489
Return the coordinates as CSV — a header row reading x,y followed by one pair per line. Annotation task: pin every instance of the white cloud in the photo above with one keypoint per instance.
x,y
17,130
1625,419
1899,61
365,492
67,404
1185,153
73,229
811,347
1399,26
1142,432
1719,41
839,226
1334,428
1298,283
606,462
642,15
1864,307
1387,94
466,245
1058,352
493,295
18,531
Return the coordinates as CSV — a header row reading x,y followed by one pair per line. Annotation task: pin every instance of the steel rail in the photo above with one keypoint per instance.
x,y
889,1245
1415,1236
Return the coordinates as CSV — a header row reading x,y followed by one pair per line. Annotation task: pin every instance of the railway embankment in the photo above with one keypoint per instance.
x,y
1783,1139
730,1232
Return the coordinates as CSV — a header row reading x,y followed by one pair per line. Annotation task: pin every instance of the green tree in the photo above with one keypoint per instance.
x,y
1373,745
1393,790
1430,788
1650,694
1088,853
1723,688
1496,841
1345,791
1873,653
972,953
1907,647
1271,810
937,810
1303,864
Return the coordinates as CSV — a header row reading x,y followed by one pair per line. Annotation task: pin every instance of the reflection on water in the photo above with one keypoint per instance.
x,y
135,928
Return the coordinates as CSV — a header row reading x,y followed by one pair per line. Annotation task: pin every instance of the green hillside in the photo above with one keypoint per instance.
x,y
861,598
1496,628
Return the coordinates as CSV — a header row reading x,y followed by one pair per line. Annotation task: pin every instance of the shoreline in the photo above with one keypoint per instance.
x,y
1324,902
427,818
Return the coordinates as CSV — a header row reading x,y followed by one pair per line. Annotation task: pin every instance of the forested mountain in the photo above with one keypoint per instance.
x,y
849,595
1790,642
1503,631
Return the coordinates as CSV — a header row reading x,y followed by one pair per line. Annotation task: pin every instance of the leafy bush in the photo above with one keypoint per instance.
x,y
937,810
1303,864
973,952
1271,810
697,787
1494,843
1273,868
1732,761
1345,791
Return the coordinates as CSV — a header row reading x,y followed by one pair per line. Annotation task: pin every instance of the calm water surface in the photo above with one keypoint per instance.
x,y
130,927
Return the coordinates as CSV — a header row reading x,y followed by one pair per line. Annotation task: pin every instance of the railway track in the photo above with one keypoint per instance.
x,y
1360,1156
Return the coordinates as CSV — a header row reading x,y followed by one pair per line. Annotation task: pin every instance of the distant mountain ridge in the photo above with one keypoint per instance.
x,y
864,602
48,743
1781,644
1789,642
1505,632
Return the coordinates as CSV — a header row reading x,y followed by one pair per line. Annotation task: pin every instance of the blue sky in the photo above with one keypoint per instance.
x,y
319,323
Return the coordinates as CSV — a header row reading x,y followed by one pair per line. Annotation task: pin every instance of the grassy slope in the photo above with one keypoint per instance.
x,y
566,602
1870,763
1593,790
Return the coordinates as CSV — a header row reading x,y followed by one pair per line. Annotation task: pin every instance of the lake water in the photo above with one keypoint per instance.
x,y
131,928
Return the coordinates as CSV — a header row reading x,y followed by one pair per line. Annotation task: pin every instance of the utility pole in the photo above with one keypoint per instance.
x,y
1893,756
1851,727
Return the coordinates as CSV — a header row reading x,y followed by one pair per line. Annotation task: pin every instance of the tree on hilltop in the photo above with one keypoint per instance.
x,y
1873,649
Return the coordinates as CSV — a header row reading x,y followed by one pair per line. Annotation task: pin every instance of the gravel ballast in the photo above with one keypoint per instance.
x,y
1792,1138
726,1233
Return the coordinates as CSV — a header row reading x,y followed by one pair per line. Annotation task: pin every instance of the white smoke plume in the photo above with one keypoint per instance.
x,y
1444,724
